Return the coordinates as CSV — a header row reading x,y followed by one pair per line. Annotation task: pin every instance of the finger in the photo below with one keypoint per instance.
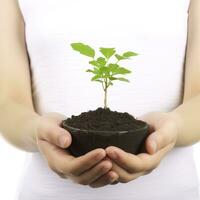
x,y
94,173
128,161
158,155
115,182
136,163
56,157
152,161
85,162
151,127
124,176
54,134
158,140
104,180
65,163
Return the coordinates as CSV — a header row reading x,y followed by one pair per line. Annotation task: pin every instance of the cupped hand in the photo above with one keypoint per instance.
x,y
93,168
162,138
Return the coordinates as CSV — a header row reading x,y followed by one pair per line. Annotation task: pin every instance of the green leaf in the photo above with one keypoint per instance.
x,y
94,63
104,70
95,77
113,67
107,52
129,54
95,71
99,81
83,49
123,79
112,78
101,61
121,70
119,57
89,70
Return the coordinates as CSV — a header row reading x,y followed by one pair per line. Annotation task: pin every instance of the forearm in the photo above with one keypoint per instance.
x,y
187,117
18,125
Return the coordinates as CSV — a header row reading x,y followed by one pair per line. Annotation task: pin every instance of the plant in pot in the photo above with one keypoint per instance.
x,y
103,127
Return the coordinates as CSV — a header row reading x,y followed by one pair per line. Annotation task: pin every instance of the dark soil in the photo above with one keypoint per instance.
x,y
103,119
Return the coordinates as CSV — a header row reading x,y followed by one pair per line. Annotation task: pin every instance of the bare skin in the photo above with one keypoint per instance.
x,y
177,128
24,128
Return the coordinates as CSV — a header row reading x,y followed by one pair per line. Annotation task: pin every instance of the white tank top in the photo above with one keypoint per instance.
x,y
155,29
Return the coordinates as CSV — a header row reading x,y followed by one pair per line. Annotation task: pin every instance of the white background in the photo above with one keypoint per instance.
x,y
11,166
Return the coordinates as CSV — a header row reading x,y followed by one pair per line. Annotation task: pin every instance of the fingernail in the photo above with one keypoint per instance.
x,y
63,141
153,146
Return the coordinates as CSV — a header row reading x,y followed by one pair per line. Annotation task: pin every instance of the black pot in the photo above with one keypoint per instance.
x,y
83,141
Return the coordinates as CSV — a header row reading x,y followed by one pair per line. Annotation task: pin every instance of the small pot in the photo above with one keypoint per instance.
x,y
83,141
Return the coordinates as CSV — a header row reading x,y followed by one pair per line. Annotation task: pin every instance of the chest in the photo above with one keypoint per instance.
x,y
109,18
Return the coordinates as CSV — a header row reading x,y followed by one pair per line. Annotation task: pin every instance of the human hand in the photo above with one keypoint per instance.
x,y
91,169
162,138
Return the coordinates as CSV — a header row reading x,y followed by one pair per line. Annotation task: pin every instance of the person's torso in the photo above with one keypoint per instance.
x,y
155,29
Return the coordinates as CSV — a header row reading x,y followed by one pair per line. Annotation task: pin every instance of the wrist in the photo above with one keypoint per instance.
x,y
32,125
178,120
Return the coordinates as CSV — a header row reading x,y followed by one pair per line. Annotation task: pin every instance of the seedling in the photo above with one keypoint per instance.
x,y
103,126
104,71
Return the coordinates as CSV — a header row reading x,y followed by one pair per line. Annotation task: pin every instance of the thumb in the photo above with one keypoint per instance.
x,y
55,117
158,140
52,132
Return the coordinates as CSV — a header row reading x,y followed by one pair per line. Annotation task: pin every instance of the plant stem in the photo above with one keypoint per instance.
x,y
105,98
102,85
106,87
105,94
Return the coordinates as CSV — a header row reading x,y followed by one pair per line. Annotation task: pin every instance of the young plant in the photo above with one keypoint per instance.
x,y
105,72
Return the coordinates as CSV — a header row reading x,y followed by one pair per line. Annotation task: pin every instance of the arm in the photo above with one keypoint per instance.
x,y
23,127
187,114
179,127
18,118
